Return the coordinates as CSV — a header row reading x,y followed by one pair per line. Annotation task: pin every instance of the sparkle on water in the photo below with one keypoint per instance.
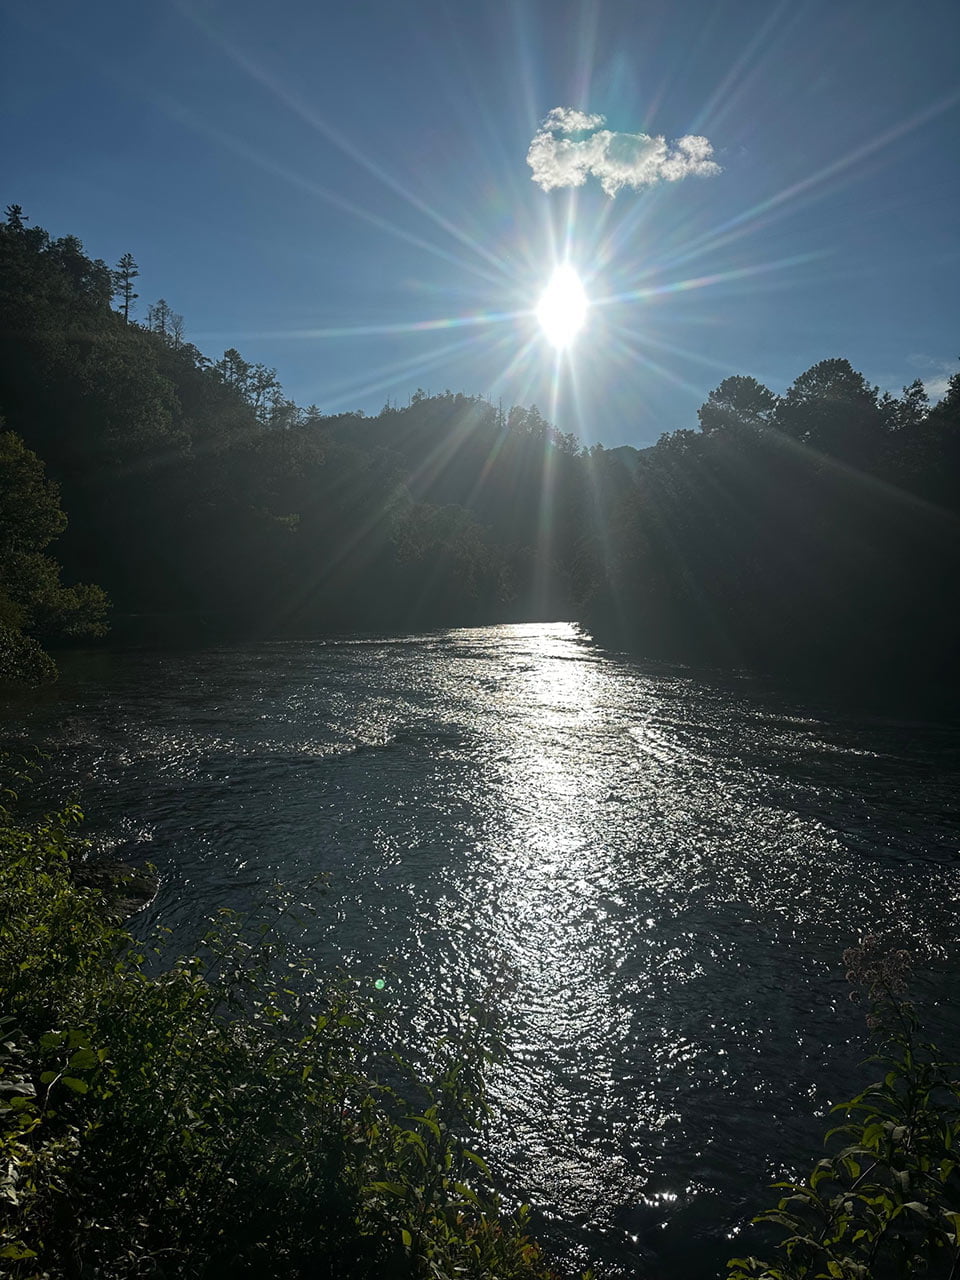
x,y
562,309
647,877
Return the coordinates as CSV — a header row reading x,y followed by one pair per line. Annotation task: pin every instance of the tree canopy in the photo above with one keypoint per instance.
x,y
814,531
34,603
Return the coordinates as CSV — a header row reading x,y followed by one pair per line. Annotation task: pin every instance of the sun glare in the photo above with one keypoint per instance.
x,y
563,308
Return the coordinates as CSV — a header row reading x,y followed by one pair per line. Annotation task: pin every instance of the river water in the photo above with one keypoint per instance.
x,y
653,874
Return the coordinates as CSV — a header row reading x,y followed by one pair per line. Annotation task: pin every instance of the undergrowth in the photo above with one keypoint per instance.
x,y
213,1120
221,1119
885,1203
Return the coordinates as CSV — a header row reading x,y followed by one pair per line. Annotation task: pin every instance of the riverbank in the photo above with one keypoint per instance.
x,y
215,1119
663,870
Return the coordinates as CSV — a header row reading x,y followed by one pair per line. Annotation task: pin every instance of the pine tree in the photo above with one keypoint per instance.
x,y
124,274
162,319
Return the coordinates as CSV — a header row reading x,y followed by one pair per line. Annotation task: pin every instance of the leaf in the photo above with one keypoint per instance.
x,y
430,1123
391,1188
21,1087
468,1194
790,1221
871,1135
916,1207
478,1161
16,1252
406,1237
78,1086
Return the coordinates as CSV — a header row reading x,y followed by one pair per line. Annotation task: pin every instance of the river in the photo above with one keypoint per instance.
x,y
652,873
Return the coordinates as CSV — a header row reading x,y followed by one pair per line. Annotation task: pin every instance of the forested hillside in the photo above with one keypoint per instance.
x,y
813,533
203,500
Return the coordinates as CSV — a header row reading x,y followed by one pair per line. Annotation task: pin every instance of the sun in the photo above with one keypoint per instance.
x,y
562,310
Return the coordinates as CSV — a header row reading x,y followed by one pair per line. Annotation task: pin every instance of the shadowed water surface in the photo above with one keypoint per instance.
x,y
656,874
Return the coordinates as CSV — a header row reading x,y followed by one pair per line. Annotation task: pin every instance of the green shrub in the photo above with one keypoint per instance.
x,y
886,1204
215,1119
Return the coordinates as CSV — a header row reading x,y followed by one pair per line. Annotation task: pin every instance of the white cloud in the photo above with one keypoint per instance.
x,y
936,381
570,120
619,160
936,388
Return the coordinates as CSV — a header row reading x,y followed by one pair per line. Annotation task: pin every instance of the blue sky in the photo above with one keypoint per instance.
x,y
343,192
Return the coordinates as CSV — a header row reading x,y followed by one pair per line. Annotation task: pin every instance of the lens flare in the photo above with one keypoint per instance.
x,y
562,310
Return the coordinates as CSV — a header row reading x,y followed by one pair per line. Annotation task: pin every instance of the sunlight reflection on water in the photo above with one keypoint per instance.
x,y
653,875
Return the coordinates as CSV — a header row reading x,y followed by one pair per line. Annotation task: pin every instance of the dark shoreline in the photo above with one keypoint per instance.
x,y
875,691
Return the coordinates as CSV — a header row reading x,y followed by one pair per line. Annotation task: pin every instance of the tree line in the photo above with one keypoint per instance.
x,y
814,532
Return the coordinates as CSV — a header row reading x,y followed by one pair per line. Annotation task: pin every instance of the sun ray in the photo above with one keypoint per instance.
x,y
734,84
389,375
238,146
813,187
434,462
334,136
630,346
372,330
717,277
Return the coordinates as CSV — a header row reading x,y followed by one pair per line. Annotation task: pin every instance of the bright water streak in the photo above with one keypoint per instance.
x,y
656,876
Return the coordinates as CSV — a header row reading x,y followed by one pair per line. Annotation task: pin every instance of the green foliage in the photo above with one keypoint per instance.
x,y
813,534
22,660
886,1203
196,488
215,1119
738,404
32,597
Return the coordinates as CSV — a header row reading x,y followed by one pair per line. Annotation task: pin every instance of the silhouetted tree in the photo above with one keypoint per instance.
x,y
740,405
167,323
814,532
15,218
124,274
831,409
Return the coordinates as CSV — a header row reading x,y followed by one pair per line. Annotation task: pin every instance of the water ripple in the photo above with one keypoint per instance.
x,y
651,874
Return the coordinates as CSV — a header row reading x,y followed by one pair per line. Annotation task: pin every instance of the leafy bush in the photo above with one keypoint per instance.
x,y
215,1120
23,660
886,1204
33,600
